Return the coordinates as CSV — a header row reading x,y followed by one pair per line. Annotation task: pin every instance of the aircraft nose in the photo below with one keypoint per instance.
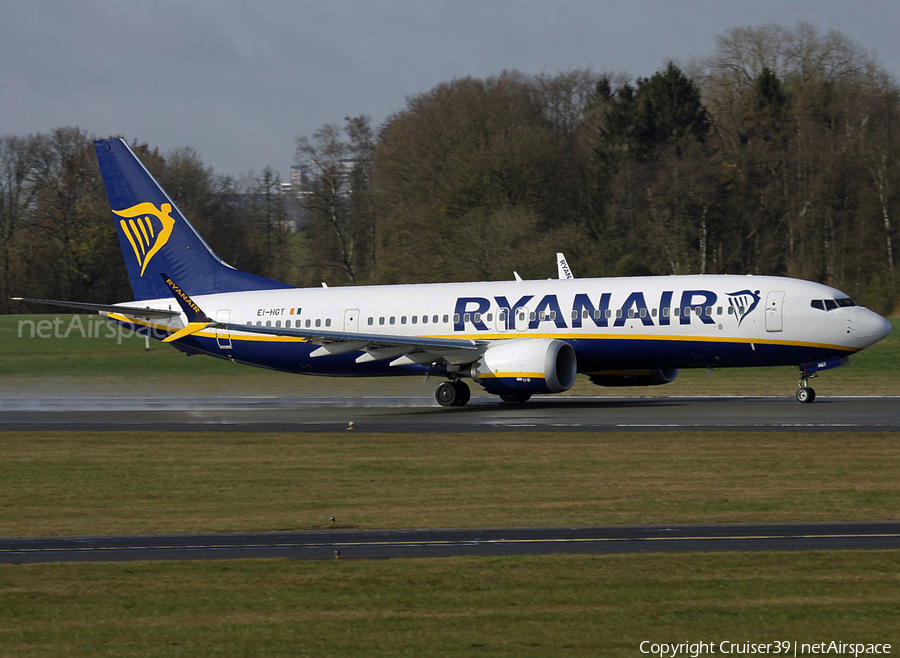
x,y
869,327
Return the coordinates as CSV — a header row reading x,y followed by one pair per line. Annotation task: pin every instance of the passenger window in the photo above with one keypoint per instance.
x,y
631,313
415,319
609,314
653,313
532,316
490,317
665,312
277,323
719,310
402,319
643,313
268,323
393,320
371,321
677,311
455,318
381,320
307,324
424,319
553,315
466,317
327,322
619,313
318,322
709,310
446,318
477,317
597,313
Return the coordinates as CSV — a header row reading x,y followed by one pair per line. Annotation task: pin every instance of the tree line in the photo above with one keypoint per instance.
x,y
775,154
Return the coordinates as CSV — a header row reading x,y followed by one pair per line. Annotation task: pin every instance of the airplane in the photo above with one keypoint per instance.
x,y
513,338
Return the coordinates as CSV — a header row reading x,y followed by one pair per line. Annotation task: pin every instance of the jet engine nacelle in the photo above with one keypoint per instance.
x,y
528,365
653,377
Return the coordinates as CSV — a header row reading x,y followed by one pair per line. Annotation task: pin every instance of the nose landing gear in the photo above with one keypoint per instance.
x,y
805,393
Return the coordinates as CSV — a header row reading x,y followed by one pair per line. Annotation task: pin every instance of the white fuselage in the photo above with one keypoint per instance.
x,y
613,323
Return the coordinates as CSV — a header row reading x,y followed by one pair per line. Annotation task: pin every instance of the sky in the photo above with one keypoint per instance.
x,y
239,81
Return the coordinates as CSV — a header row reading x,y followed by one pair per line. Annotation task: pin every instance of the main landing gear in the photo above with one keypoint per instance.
x,y
806,393
454,393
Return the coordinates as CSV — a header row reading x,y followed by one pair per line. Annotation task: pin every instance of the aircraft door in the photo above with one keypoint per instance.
x,y
351,320
223,336
520,318
774,311
502,319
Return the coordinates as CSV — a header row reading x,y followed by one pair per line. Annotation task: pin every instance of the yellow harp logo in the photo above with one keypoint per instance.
x,y
147,228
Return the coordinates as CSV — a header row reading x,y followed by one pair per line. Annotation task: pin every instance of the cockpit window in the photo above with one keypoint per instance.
x,y
832,304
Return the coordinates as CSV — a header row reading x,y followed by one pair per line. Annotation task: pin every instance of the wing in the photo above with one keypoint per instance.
x,y
108,308
403,350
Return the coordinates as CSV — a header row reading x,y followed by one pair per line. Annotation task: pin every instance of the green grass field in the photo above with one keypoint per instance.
x,y
528,606
77,483
90,361
106,482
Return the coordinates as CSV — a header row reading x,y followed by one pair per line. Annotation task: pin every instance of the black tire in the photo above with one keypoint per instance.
x,y
446,394
464,393
515,397
806,395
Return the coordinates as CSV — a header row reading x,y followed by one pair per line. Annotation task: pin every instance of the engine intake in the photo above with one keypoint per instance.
x,y
527,365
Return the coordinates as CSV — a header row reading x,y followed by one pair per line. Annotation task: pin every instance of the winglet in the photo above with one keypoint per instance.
x,y
191,310
565,272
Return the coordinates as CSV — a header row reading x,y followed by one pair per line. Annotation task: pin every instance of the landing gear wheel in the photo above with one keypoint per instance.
x,y
446,394
452,394
515,397
806,394
464,393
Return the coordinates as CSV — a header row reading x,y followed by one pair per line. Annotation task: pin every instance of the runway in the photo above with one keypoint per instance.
x,y
446,543
421,414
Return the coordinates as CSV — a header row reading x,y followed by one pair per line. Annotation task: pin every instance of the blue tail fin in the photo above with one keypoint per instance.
x,y
155,237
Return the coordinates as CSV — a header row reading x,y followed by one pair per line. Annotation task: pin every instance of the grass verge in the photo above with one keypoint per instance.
x,y
523,606
65,483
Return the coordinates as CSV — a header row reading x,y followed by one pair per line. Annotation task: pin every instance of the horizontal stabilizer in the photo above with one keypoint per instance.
x,y
191,328
133,311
